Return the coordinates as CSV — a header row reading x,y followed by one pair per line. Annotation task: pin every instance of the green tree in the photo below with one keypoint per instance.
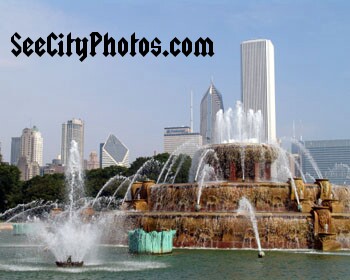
x,y
182,175
163,157
10,191
150,171
50,187
136,165
95,179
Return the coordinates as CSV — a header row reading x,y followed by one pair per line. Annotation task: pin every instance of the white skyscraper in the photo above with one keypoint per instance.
x,y
258,82
31,153
72,130
32,145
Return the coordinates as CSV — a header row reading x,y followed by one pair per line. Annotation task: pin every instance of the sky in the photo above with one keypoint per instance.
x,y
136,97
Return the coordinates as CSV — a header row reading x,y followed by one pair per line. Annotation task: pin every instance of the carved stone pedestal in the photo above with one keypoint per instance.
x,y
325,237
327,242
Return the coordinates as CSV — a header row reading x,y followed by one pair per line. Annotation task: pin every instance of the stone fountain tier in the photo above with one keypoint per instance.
x,y
257,160
254,152
225,196
285,230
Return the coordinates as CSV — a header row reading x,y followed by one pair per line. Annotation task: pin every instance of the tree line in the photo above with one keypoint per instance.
x,y
51,187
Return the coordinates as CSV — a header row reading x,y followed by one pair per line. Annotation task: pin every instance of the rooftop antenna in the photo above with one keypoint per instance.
x,y
211,85
293,129
191,112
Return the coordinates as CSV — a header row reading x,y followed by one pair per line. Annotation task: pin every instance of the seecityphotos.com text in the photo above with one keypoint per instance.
x,y
66,45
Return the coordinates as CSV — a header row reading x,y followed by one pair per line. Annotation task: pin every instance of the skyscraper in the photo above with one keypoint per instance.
x,y
114,152
258,82
15,149
211,103
32,145
31,153
177,136
72,130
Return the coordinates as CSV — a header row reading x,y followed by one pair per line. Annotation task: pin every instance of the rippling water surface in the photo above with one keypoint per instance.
x,y
20,260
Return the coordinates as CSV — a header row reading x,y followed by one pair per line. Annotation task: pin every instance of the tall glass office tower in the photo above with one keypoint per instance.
x,y
211,103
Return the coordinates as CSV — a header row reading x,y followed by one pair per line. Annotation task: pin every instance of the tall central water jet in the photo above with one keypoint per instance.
x,y
70,234
74,177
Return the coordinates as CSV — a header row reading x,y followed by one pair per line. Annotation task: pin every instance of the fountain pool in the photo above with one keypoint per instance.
x,y
20,260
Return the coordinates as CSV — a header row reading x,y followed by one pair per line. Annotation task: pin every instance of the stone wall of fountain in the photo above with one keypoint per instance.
x,y
230,230
224,196
217,224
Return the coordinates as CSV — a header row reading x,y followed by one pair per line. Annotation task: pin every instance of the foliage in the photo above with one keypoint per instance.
x,y
182,175
136,165
95,179
162,157
9,186
49,187
150,171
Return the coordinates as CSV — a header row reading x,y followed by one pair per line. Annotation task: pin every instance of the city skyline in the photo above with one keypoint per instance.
x,y
137,97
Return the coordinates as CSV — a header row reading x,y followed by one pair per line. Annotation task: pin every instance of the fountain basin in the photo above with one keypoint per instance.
x,y
216,224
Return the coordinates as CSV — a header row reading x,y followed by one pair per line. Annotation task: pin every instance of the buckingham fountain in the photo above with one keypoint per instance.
x,y
240,178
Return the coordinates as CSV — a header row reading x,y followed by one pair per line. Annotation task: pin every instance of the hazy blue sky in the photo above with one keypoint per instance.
x,y
136,97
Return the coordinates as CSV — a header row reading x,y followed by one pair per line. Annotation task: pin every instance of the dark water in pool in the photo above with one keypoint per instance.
x,y
19,260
